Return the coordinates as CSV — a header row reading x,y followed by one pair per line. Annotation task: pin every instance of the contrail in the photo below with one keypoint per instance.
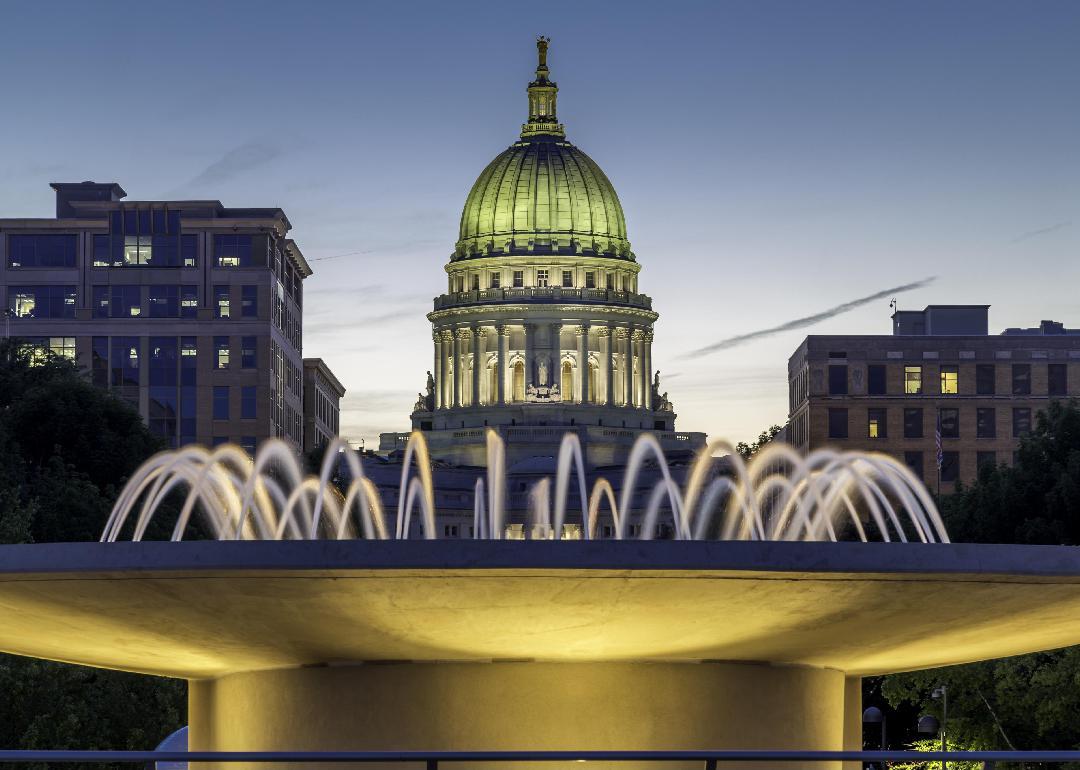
x,y
809,320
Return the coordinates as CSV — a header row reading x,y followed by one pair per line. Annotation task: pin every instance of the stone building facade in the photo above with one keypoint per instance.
x,y
941,372
543,328
190,310
322,404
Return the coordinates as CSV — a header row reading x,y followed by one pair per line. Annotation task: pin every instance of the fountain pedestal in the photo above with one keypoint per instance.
x,y
457,706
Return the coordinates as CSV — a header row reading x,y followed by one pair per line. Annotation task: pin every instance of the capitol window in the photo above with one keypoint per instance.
x,y
567,279
519,279
495,279
542,278
476,282
590,280
611,281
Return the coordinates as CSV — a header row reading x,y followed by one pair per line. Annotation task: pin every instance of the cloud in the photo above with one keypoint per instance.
x,y
1041,231
810,320
236,161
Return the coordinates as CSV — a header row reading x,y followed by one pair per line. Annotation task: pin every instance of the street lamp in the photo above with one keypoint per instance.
x,y
874,716
941,692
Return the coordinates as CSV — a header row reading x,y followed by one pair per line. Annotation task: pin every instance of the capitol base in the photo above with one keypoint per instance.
x,y
439,706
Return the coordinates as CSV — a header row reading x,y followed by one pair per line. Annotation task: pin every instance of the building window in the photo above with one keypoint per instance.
x,y
164,301
474,281
914,460
950,466
99,361
913,423
101,257
221,302
877,423
838,380
450,530
189,246
247,443
590,279
949,381
542,278
1057,380
47,250
986,423
124,361
567,279
838,423
949,422
232,250
913,380
248,353
983,459
218,440
189,301
1021,422
875,379
41,301
985,376
1021,379
125,302
221,352
519,279
221,402
249,301
39,348
248,399
496,280
100,301
459,283
610,281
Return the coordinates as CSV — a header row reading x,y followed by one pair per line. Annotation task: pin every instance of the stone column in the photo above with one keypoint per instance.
x,y
436,337
457,367
504,355
447,383
628,366
646,347
604,332
583,364
530,343
639,349
555,351
477,362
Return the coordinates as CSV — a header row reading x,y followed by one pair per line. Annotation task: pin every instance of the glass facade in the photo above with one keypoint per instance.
x,y
42,250
41,301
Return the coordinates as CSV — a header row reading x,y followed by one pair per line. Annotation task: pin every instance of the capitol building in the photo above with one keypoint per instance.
x,y
543,328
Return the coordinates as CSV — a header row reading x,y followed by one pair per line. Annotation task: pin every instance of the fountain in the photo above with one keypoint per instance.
x,y
317,619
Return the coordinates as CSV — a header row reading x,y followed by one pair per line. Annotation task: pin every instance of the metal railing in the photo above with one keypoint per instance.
x,y
431,759
543,294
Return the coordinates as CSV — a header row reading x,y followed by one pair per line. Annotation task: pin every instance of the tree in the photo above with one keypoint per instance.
x,y
749,450
1028,701
66,449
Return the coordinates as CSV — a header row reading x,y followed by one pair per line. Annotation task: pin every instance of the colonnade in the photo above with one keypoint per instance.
x,y
475,365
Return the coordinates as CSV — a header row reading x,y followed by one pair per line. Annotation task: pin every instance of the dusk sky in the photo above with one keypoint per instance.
x,y
774,159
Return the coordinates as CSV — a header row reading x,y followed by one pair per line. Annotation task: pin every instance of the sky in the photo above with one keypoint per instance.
x,y
775,160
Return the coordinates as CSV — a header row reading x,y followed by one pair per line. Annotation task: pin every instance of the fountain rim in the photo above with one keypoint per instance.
x,y
893,559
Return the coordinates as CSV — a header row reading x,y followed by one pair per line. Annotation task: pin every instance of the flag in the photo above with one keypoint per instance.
x,y
937,440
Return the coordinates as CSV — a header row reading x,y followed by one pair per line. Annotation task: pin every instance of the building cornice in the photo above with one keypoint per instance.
x,y
536,310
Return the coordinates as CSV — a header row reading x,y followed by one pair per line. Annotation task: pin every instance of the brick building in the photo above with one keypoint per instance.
x,y
939,370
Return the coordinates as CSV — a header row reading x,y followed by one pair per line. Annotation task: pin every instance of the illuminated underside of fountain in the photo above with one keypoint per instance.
x,y
314,623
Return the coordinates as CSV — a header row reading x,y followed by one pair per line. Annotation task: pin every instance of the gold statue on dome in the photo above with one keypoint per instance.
x,y
541,47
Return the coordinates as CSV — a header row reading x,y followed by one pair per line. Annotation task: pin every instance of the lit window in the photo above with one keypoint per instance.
x,y
221,352
42,301
949,383
233,250
913,380
189,301
188,250
221,302
542,278
877,423
137,250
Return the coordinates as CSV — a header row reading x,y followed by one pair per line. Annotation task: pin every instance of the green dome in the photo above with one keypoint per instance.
x,y
542,195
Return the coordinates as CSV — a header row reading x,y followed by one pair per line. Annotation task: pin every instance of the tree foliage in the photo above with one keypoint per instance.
x,y
1028,701
749,450
66,449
